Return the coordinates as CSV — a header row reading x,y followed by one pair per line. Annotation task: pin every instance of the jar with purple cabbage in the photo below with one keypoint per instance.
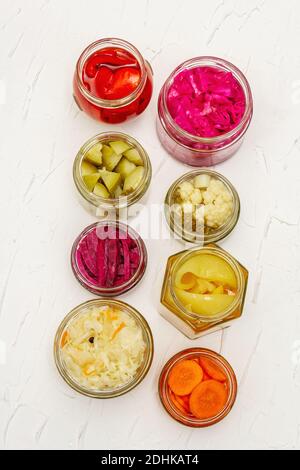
x,y
204,110
108,258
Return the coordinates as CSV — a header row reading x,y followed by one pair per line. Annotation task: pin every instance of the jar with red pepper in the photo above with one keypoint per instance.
x,y
112,81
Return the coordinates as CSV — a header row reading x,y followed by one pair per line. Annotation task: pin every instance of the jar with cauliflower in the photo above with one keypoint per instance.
x,y
202,206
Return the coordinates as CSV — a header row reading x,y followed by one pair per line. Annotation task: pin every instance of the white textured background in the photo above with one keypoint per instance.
x,y
41,131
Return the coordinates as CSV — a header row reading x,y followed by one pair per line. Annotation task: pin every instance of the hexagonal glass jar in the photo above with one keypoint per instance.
x,y
193,325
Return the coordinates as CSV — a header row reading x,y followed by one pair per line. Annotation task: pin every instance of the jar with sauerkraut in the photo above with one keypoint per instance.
x,y
103,349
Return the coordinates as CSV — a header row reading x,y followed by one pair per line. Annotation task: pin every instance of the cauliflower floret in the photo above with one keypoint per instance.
x,y
185,190
196,197
202,181
216,214
211,206
214,189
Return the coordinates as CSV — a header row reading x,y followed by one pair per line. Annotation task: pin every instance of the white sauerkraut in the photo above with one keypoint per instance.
x,y
103,348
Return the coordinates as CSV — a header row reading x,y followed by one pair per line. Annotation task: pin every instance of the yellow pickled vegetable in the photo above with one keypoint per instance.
x,y
204,304
204,287
206,266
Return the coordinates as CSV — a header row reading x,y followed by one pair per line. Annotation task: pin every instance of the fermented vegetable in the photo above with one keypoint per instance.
x,y
103,348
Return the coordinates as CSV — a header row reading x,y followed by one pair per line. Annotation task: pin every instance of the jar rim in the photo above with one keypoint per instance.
x,y
217,251
101,44
211,61
216,235
123,201
170,407
126,286
117,391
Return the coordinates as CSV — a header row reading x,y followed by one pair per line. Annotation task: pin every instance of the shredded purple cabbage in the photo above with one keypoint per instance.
x,y
107,257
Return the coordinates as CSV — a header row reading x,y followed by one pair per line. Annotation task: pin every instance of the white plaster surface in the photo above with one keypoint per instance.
x,y
41,131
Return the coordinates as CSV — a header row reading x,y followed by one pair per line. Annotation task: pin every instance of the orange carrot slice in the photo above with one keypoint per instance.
x,y
184,402
184,377
208,399
212,369
179,406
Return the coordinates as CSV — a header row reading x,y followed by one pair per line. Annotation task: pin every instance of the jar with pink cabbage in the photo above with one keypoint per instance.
x,y
204,110
108,258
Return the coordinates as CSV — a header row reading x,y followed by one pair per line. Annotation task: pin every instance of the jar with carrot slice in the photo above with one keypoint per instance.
x,y
203,290
197,387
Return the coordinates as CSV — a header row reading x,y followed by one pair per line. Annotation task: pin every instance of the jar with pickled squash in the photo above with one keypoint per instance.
x,y
203,290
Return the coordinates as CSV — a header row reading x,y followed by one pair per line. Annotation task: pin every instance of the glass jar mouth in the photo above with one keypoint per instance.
x,y
116,391
122,201
209,61
169,406
101,44
212,250
214,235
121,288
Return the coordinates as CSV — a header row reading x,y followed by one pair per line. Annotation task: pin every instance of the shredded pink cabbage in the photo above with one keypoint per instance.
x,y
107,257
206,101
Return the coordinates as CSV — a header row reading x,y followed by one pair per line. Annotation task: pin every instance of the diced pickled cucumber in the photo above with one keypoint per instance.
x,y
107,151
133,156
202,181
119,146
118,191
133,180
94,155
110,179
110,162
125,167
87,168
91,180
100,190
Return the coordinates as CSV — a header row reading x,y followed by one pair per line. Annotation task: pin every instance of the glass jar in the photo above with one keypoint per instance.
x,y
115,231
193,325
202,151
98,205
107,392
230,384
202,233
113,111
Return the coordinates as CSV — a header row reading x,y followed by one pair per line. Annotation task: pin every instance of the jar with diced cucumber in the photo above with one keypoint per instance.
x,y
112,169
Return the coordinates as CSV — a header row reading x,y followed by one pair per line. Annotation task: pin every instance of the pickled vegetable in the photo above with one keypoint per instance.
x,y
210,267
94,155
206,284
206,101
102,348
197,387
112,169
107,258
